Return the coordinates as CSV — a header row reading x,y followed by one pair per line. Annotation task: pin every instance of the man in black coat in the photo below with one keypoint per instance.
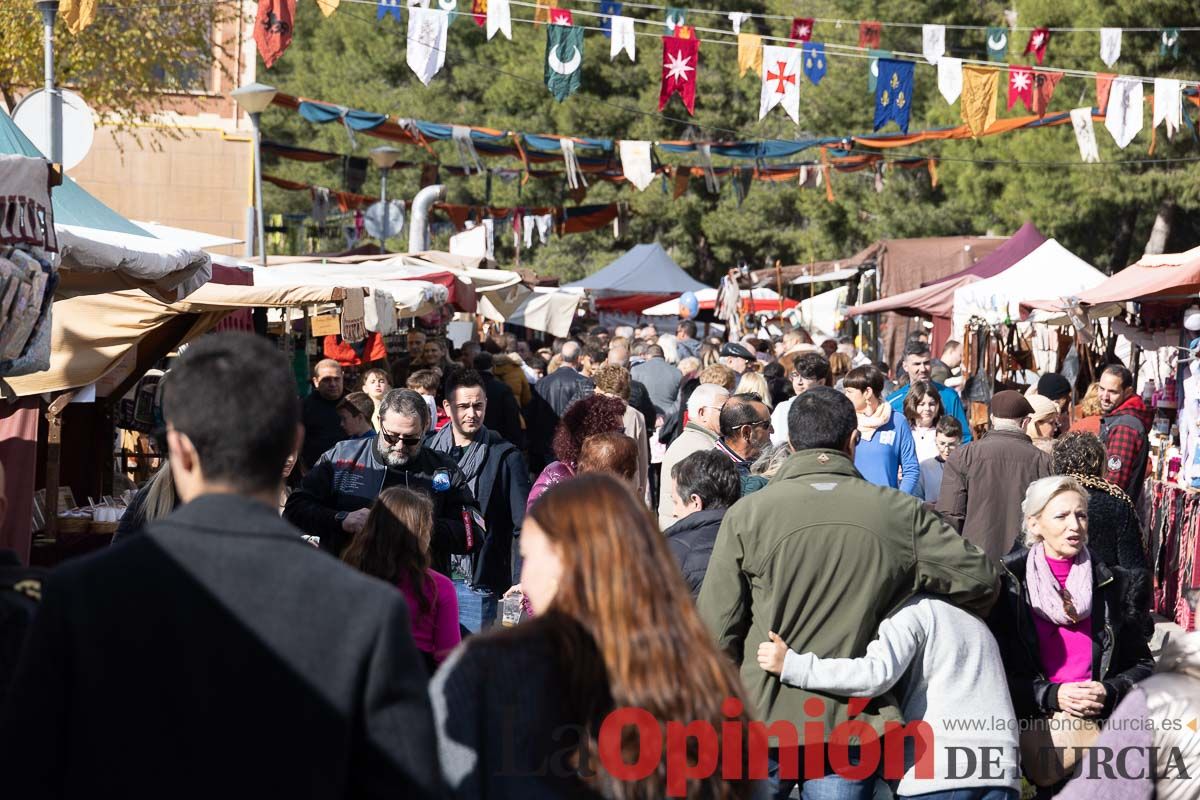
x,y
551,396
706,485
503,412
218,653
322,425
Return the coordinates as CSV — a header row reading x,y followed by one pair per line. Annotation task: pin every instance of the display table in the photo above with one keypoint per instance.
x,y
1170,518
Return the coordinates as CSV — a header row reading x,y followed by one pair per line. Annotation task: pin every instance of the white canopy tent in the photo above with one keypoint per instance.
x,y
821,314
707,298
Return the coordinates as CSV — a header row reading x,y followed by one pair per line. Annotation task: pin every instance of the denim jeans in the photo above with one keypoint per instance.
x,y
981,793
830,787
476,607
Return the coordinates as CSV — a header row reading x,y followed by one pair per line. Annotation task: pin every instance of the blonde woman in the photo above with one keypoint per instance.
x,y
153,501
755,383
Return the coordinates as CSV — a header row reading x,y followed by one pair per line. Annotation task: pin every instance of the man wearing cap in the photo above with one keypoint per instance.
x,y
736,356
1056,388
985,481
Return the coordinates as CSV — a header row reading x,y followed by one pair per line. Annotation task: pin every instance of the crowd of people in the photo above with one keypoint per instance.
x,y
693,533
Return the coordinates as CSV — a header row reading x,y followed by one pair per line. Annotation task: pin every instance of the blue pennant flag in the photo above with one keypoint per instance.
x,y
813,57
388,8
610,9
893,93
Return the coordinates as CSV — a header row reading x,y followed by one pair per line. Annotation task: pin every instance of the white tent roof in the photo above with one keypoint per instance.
x,y
413,297
670,308
821,314
1051,270
96,261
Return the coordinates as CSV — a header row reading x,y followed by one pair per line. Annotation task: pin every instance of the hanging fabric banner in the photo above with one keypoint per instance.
x,y
1103,87
1124,114
562,16
499,18
624,38
1085,135
1168,104
1020,87
802,29
328,6
479,12
780,81
950,78
564,60
273,28
814,61
736,19
541,11
681,59
1043,89
610,9
575,179
1039,38
750,56
388,8
933,42
873,67
997,43
1110,45
893,96
636,164
979,97
869,34
426,51
78,14
674,18
1168,43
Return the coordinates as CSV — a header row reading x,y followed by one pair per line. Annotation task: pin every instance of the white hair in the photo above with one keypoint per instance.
x,y
1038,496
625,331
669,348
706,394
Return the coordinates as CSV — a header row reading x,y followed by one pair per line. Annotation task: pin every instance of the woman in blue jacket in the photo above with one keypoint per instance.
x,y
886,453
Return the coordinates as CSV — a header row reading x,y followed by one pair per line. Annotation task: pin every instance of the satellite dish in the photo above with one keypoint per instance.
x,y
78,127
373,219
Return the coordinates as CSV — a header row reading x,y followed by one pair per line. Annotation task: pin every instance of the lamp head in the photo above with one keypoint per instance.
x,y
254,98
385,157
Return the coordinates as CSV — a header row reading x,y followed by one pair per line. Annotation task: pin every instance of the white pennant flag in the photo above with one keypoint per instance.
x,y
426,51
736,19
499,18
635,163
1110,45
623,38
950,78
1085,134
1124,115
1168,104
933,42
780,81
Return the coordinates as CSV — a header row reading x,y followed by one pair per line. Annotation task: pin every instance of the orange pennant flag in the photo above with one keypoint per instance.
x,y
542,12
77,14
1043,90
1103,87
978,98
750,53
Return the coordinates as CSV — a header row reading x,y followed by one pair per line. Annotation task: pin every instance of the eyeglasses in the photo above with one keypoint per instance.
x,y
394,438
764,422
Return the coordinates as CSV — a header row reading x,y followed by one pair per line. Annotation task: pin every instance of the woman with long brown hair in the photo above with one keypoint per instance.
x,y
520,711
394,547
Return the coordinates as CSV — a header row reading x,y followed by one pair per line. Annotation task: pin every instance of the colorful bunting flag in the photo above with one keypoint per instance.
x,y
979,97
328,6
1123,117
997,43
562,16
1043,90
479,12
780,81
636,164
1110,45
750,50
610,9
541,11
1168,43
426,50
933,42
499,18
950,80
681,59
1039,38
1103,87
388,8
564,60
736,19
78,14
1020,87
449,6
873,67
802,29
273,28
675,18
893,96
814,61
1085,135
624,38
869,34
1168,104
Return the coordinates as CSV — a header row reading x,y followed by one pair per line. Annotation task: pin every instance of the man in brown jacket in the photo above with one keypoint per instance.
x,y
985,481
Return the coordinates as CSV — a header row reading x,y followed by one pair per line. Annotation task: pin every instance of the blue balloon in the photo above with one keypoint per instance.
x,y
689,306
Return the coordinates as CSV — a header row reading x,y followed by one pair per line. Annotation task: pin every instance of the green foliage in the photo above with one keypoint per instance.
x,y
1103,212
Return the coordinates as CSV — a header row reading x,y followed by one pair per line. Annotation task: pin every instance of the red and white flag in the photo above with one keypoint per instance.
x,y
681,60
780,81
1020,87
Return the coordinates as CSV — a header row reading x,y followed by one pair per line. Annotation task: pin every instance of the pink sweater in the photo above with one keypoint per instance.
x,y
436,631
1066,651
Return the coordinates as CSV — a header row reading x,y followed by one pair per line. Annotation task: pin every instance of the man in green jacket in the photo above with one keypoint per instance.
x,y
820,556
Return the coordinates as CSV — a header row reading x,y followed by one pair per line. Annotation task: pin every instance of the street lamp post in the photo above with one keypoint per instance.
x,y
254,99
384,158
49,9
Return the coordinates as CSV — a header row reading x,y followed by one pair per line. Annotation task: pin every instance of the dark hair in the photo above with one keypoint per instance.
x,y
483,362
918,392
426,379
586,417
1121,372
613,453
596,353
863,378
1079,453
710,475
394,541
655,351
489,346
916,348
228,377
949,425
536,363
821,418
688,327
387,375
772,371
406,403
358,404
461,379
812,366
738,411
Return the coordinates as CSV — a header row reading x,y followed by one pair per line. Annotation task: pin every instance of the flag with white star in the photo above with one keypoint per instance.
x,y
1039,38
681,59
1020,87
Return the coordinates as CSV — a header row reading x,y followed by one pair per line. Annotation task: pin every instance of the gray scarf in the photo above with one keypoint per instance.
x,y
472,459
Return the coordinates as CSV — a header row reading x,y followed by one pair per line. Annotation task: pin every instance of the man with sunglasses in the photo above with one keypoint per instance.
x,y
336,496
745,432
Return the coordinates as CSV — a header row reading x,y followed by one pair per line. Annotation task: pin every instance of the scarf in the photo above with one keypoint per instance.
x,y
473,458
869,423
1049,599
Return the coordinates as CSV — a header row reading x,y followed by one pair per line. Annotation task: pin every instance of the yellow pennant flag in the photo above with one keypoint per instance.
x,y
328,6
750,52
541,13
979,97
77,14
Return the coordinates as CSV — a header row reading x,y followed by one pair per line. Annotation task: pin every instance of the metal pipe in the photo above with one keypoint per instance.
x,y
258,193
418,229
49,9
383,201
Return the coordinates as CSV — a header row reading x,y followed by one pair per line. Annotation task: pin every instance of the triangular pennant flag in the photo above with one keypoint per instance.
x,y
272,28
950,79
328,6
681,59
802,29
1085,134
997,43
479,12
750,53
1123,117
1039,38
635,163
1103,87
1043,90
1020,87
624,38
499,18
933,42
893,95
780,81
1168,104
541,11
1110,45
979,98
610,9
674,18
814,61
562,16
869,34
873,67
736,19
1168,43
388,8
426,51
564,60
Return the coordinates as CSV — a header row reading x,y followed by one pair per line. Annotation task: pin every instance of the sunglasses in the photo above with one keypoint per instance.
x,y
393,438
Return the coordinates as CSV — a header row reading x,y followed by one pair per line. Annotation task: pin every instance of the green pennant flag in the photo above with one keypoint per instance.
x,y
564,60
997,43
1168,42
674,18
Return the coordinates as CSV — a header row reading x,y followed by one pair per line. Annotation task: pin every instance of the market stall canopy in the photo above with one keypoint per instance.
x,y
645,269
186,237
414,297
1158,278
820,314
549,310
836,276
761,300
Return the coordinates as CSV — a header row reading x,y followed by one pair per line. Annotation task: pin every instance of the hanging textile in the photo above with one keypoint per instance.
x,y
1110,45
426,50
893,98
1124,117
750,53
933,42
781,81
979,98
624,38
802,29
950,78
1085,134
273,28
681,58
468,156
575,179
1168,104
636,164
736,19
499,18
1103,88
997,43
609,9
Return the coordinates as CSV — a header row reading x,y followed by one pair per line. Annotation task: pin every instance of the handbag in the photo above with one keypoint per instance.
x,y
1051,746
